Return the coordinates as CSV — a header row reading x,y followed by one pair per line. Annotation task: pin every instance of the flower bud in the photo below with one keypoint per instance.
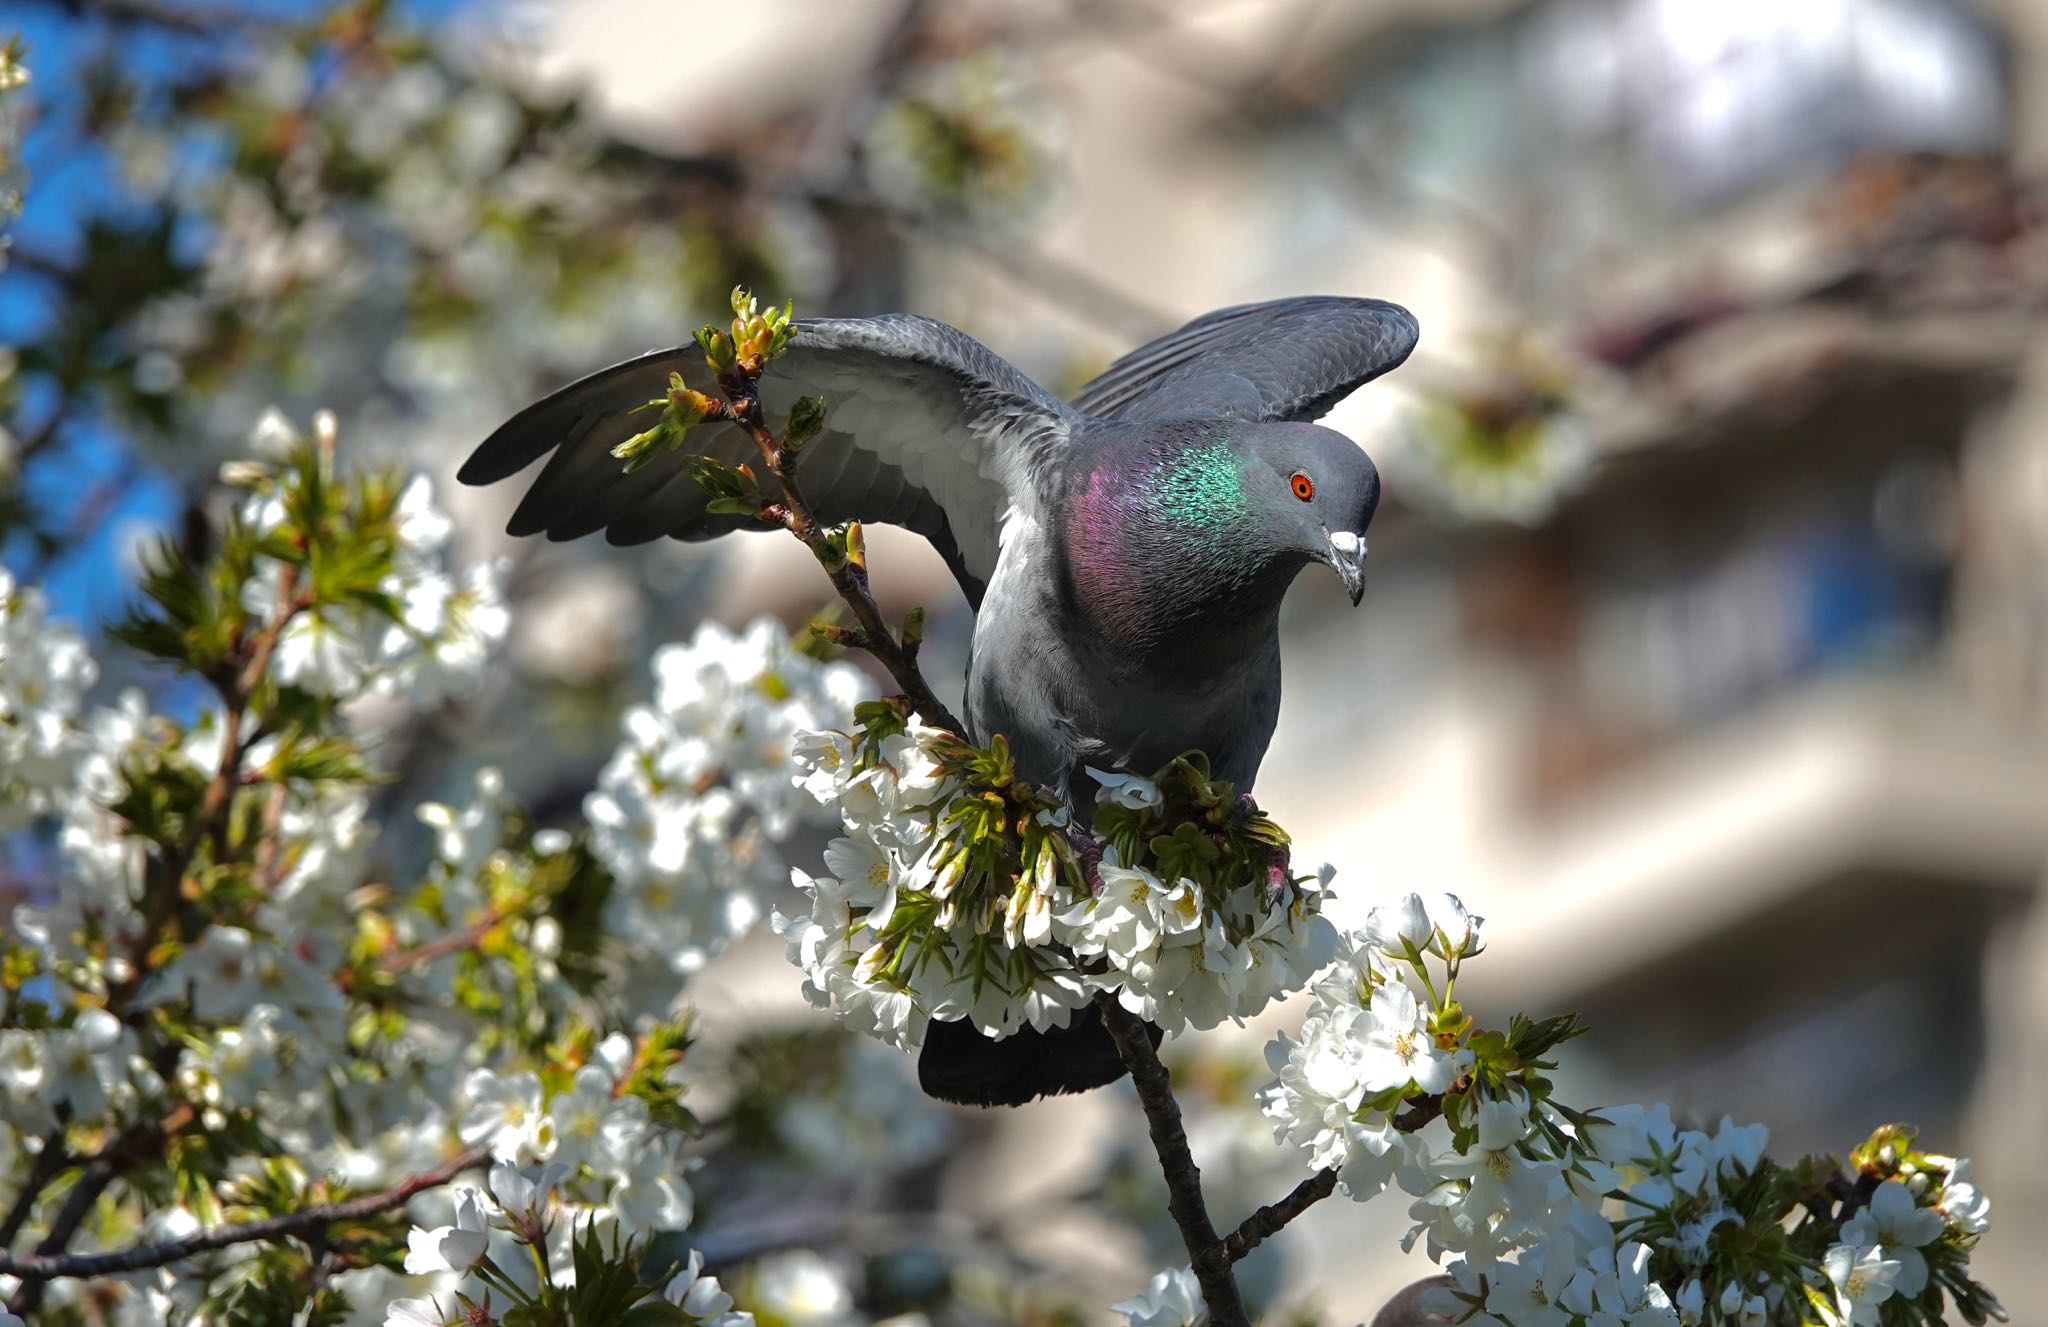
x,y
717,349
639,449
691,406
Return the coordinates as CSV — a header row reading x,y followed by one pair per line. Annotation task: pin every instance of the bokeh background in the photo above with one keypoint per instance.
x,y
1705,648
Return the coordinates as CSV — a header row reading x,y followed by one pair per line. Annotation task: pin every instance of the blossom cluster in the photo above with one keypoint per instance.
x,y
221,963
962,143
1510,442
614,1144
588,1160
956,893
1545,1214
375,218
42,689
426,637
689,812
477,1254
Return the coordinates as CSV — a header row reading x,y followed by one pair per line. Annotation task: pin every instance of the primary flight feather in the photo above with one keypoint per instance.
x,y
1126,554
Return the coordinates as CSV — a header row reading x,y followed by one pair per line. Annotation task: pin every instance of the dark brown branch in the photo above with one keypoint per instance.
x,y
194,21
53,1157
1268,1220
849,577
308,1222
139,1140
1263,1224
1422,1112
1206,1253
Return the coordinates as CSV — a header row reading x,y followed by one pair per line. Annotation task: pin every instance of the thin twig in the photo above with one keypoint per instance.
x,y
1269,1220
47,1267
142,1139
1255,1229
1206,1253
53,1157
440,946
849,577
1422,1112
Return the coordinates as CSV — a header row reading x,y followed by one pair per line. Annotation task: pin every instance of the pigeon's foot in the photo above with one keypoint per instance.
x,y
962,1066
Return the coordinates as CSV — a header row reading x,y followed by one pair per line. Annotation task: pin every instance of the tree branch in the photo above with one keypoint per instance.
x,y
1206,1253
399,960
53,1157
196,22
849,577
1268,1220
137,1257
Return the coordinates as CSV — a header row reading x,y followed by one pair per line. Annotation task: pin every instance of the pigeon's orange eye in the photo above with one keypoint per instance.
x,y
1304,487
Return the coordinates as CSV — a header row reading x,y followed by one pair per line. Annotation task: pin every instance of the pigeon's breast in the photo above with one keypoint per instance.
x,y
1103,561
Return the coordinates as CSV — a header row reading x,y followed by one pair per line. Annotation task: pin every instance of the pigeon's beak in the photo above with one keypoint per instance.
x,y
1347,557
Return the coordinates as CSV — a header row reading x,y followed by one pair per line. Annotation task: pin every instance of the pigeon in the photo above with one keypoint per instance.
x,y
1125,553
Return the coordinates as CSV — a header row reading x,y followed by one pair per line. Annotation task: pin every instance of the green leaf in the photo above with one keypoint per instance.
x,y
182,621
326,758
806,420
720,480
1531,1039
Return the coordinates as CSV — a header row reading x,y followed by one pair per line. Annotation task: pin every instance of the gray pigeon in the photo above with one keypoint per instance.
x,y
1126,555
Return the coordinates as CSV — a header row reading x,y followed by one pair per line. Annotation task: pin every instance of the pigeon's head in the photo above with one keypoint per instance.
x,y
1316,492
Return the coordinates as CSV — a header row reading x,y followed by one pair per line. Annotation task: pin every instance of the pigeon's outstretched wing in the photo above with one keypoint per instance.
x,y
1284,359
926,428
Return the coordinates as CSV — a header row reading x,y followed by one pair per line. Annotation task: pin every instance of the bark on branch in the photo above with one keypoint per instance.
x,y
309,1221
849,578
1268,1220
1206,1253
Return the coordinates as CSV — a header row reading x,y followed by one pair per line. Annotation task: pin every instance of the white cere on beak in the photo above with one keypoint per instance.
x,y
1348,545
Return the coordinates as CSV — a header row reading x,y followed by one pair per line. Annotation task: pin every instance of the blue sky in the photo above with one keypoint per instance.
x,y
70,180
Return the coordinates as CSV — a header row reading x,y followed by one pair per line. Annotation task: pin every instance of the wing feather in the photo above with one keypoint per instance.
x,y
1283,359
926,428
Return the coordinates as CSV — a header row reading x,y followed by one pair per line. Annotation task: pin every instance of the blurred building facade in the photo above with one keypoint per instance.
x,y
1738,730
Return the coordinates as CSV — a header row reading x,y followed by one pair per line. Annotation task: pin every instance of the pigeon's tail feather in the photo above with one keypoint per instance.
x,y
960,1065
